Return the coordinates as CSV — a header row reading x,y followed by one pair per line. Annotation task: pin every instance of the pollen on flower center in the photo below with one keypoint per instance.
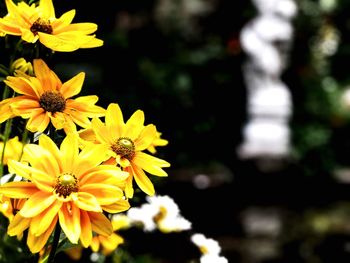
x,y
161,214
66,184
124,147
41,25
52,101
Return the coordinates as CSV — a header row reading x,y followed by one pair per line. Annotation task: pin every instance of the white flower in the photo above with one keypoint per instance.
x,y
160,212
143,215
207,246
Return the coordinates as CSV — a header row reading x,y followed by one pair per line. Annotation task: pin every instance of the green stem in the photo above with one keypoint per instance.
x,y
56,239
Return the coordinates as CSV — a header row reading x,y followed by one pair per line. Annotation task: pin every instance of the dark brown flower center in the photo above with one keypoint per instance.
x,y
41,25
124,147
52,101
66,184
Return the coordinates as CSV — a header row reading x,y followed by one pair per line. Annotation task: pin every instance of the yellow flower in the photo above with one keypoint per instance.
x,y
158,141
64,185
9,208
38,22
13,149
20,66
109,244
106,244
124,144
44,99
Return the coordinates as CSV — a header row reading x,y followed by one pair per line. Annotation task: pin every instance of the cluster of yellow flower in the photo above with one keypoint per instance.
x,y
76,182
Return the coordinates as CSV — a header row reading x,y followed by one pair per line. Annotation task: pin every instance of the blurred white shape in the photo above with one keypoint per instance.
x,y
206,245
201,181
143,216
345,99
272,28
265,138
273,100
285,8
262,55
160,212
209,248
266,40
262,222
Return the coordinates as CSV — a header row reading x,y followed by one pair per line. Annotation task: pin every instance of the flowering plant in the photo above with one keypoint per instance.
x,y
69,167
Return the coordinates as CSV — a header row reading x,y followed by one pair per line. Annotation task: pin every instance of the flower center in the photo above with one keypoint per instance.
x,y
124,147
161,214
66,184
41,25
52,101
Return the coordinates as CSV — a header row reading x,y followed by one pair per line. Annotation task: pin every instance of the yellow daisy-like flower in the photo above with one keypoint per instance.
x,y
20,66
158,141
13,149
124,144
44,99
9,206
109,244
38,22
106,244
64,185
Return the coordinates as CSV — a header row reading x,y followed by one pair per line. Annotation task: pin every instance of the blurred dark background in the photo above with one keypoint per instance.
x,y
180,61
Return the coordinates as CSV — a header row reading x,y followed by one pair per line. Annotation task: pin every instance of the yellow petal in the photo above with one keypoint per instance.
x,y
88,202
100,223
89,158
41,159
18,189
101,132
73,86
40,179
134,125
63,21
36,243
129,190
58,120
47,9
142,180
120,206
69,217
37,203
44,74
26,107
95,244
86,230
42,222
46,143
21,86
150,164
105,194
92,42
69,150
115,120
110,243
38,122
146,137
19,168
65,41
104,174
17,225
